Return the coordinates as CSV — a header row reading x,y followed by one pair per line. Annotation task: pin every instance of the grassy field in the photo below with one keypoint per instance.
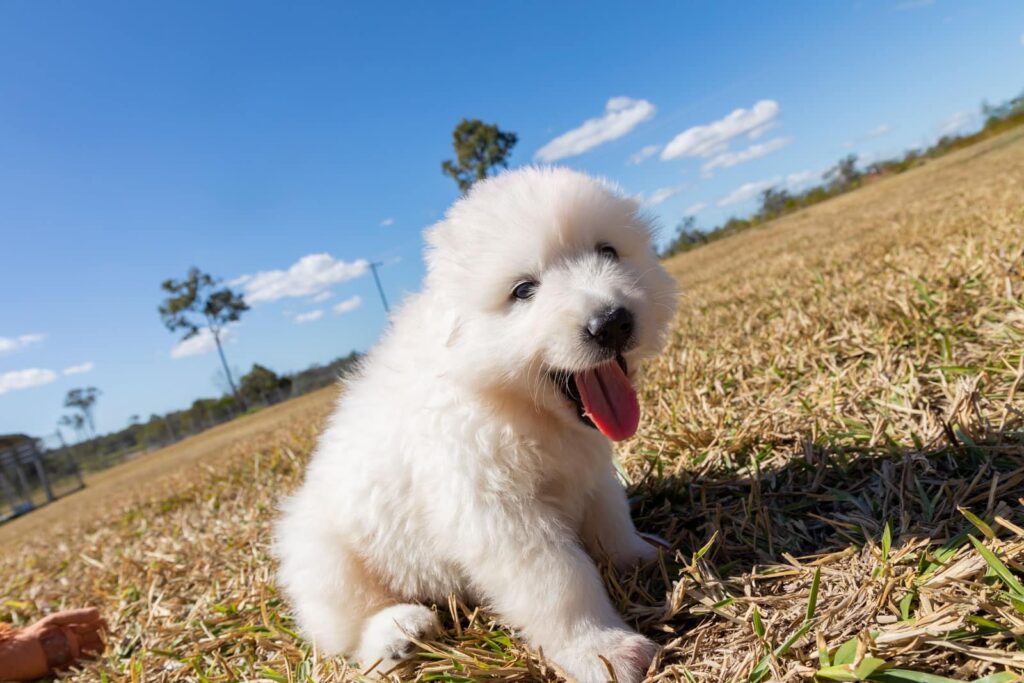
x,y
833,443
120,488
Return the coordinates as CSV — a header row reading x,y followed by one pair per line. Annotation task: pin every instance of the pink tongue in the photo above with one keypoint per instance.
x,y
609,400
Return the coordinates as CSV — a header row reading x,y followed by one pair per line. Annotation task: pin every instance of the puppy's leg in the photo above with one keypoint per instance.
x,y
608,528
331,591
539,578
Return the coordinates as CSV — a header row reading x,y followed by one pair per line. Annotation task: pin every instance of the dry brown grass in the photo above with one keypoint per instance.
x,y
838,413
120,488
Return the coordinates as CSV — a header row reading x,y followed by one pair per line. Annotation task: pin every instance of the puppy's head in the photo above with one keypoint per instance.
x,y
552,295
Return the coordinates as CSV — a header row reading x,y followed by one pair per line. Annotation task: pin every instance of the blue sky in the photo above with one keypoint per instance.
x,y
281,145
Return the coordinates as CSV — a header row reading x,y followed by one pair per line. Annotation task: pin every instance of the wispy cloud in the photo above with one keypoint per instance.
x,y
387,222
748,191
695,209
79,369
622,115
308,276
322,296
878,131
661,194
798,181
309,317
714,138
730,159
25,379
957,123
348,305
8,344
912,4
201,343
644,154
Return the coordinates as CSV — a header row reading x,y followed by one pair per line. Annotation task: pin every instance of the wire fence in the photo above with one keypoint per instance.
x,y
31,476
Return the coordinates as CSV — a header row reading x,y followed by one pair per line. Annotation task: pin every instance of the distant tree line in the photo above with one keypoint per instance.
x,y
843,177
194,305
257,388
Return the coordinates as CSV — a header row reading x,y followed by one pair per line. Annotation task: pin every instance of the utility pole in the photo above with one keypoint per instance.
x,y
376,278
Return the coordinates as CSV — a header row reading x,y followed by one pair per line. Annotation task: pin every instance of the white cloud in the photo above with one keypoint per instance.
x,y
25,379
348,305
643,155
695,209
622,115
387,222
957,123
201,343
308,276
730,159
661,194
19,342
322,296
715,137
80,369
309,317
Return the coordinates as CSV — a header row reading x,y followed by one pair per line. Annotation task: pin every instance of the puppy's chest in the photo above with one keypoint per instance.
x,y
568,484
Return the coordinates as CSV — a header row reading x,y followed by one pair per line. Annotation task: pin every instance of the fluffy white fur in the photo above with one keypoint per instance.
x,y
453,464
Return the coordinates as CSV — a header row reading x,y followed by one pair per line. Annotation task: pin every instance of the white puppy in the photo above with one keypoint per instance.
x,y
470,455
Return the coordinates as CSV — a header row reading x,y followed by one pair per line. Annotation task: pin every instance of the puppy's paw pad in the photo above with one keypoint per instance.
x,y
389,634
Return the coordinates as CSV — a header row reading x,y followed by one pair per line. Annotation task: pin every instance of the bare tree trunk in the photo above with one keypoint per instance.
x,y
227,371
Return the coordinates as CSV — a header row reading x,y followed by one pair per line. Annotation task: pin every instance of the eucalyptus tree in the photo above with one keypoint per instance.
x,y
479,148
196,304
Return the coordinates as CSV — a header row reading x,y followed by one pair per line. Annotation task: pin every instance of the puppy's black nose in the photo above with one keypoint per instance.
x,y
611,329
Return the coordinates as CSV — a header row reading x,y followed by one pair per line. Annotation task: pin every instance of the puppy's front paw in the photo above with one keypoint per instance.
x,y
633,551
389,634
630,655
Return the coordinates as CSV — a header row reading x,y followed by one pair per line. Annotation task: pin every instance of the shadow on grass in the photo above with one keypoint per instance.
x,y
829,506
830,498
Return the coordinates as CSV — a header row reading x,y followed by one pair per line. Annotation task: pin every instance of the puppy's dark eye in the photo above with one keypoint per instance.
x,y
524,290
608,251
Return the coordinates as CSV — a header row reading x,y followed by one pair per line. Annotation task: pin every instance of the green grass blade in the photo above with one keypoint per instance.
x,y
886,543
812,600
846,652
758,624
906,676
998,567
844,672
978,522
1001,677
